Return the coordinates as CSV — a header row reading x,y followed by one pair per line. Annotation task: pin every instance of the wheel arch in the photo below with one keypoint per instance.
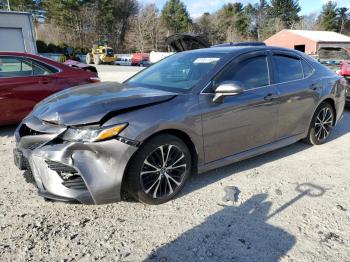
x,y
175,132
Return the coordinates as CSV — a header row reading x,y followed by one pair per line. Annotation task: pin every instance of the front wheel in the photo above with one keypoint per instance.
x,y
159,170
321,125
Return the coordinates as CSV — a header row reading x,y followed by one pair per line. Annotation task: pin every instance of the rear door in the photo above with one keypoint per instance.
x,y
244,121
23,83
297,92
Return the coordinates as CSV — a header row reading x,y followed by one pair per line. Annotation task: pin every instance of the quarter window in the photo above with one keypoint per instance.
x,y
307,69
288,68
252,72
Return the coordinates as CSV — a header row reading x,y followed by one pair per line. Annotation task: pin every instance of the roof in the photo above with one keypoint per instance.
x,y
14,12
321,36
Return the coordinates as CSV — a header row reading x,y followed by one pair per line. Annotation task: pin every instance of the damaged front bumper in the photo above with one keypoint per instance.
x,y
90,173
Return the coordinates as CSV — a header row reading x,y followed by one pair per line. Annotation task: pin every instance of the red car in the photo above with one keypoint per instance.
x,y
26,79
138,57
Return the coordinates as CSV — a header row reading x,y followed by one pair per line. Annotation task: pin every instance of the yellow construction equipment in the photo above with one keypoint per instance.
x,y
100,54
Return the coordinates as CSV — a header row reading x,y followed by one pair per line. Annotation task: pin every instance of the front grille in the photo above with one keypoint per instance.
x,y
60,168
69,175
26,131
75,182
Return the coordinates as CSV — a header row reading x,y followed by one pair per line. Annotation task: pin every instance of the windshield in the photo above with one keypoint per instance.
x,y
178,72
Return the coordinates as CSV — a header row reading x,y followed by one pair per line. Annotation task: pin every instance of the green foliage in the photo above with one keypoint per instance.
x,y
176,16
286,10
329,16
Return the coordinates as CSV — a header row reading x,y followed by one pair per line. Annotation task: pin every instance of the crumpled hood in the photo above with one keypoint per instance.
x,y
89,104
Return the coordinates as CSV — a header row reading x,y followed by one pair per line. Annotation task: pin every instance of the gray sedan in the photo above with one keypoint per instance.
x,y
191,112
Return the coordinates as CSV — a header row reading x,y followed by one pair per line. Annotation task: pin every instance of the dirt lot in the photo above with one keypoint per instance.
x,y
271,220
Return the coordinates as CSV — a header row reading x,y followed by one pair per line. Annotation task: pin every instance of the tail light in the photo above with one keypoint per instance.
x,y
94,79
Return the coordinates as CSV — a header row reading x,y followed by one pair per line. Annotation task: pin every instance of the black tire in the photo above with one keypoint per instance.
x,y
319,133
166,180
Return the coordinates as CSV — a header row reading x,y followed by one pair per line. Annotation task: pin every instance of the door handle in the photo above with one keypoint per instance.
x,y
270,97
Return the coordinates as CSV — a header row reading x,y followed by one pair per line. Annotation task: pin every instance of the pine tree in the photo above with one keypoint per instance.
x,y
176,16
285,10
328,16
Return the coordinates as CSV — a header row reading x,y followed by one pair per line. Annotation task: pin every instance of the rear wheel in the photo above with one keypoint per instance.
x,y
321,125
159,170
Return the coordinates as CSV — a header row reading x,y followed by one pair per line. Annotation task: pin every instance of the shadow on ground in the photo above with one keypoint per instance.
x,y
7,131
202,180
232,234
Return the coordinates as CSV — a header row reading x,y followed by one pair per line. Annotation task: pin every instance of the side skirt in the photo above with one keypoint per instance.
x,y
250,153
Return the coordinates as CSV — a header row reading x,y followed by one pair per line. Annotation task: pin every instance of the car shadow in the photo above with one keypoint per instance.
x,y
198,181
235,233
7,131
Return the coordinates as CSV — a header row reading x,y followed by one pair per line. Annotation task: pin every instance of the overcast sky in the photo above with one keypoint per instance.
x,y
198,7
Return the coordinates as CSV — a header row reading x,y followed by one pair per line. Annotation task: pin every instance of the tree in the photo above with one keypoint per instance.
x,y
343,18
233,22
286,10
176,16
146,29
328,16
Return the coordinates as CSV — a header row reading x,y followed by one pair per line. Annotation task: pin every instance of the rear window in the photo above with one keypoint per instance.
x,y
288,68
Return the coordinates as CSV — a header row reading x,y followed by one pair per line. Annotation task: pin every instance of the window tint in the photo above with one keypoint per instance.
x,y
252,73
307,69
14,67
288,68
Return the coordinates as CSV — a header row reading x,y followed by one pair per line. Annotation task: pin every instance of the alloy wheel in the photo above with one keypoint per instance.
x,y
163,171
323,124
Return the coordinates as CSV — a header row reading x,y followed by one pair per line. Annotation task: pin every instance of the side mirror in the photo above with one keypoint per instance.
x,y
227,88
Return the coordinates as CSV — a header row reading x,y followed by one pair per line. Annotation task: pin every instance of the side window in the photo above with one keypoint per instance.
x,y
15,67
307,69
252,73
288,68
12,67
40,69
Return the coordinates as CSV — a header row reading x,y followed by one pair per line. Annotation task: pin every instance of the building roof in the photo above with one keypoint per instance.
x,y
321,36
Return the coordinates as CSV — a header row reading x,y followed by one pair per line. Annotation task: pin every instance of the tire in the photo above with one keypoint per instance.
x,y
89,59
321,125
159,182
97,60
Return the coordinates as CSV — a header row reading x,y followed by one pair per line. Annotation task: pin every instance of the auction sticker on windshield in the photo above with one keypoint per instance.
x,y
206,60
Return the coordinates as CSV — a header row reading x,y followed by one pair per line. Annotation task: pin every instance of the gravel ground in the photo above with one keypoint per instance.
x,y
292,204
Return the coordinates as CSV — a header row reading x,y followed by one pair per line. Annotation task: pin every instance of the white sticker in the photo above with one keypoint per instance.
x,y
206,60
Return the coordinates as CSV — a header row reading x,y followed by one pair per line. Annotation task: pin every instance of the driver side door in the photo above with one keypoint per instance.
x,y
244,121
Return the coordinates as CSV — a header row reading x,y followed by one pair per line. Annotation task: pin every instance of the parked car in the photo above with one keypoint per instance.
x,y
145,63
138,57
191,112
124,61
26,79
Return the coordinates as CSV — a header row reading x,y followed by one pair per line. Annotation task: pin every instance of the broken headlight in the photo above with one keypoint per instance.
x,y
92,134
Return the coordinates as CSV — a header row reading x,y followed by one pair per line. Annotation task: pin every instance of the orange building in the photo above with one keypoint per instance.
x,y
308,41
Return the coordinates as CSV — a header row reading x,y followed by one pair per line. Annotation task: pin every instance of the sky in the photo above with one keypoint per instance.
x,y
198,7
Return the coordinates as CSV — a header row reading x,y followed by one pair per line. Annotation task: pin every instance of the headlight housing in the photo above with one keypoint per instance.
x,y
93,134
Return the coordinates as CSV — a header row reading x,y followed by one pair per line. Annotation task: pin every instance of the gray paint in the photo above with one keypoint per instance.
x,y
20,35
240,127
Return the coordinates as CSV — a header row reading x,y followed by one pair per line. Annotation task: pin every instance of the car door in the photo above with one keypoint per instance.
x,y
23,83
297,92
243,121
